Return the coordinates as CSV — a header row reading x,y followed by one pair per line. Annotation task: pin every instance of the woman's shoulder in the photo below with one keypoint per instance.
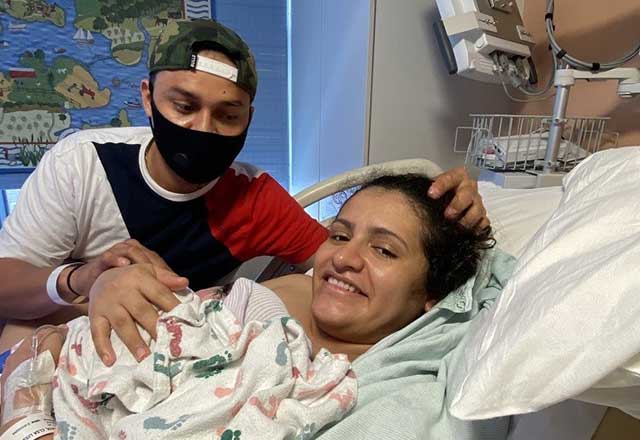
x,y
289,282
295,293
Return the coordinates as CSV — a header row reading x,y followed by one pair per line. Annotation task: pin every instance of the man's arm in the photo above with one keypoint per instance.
x,y
37,236
118,307
42,232
23,291
24,280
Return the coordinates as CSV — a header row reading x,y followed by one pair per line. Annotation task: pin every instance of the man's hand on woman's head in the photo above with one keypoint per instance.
x,y
466,206
123,296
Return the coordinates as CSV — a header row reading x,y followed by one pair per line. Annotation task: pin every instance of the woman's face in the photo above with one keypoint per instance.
x,y
368,279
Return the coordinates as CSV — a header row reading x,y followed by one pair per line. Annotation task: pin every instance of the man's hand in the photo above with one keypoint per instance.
x,y
122,254
466,206
124,296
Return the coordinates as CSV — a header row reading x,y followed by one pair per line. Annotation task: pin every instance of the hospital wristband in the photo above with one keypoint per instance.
x,y
52,287
31,427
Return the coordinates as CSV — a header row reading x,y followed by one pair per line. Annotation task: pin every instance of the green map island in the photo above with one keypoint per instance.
x,y
33,10
122,24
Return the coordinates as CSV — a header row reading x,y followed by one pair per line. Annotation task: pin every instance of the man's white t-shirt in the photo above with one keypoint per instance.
x,y
93,190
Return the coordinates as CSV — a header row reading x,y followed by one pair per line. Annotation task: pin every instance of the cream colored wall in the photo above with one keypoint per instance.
x,y
592,30
415,104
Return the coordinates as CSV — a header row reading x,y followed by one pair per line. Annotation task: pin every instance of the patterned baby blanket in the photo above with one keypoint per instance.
x,y
207,377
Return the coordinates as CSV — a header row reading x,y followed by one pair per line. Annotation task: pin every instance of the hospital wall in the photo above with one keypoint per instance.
x,y
592,30
368,85
415,104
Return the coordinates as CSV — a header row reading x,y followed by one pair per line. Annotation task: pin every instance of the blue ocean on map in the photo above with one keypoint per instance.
x,y
18,36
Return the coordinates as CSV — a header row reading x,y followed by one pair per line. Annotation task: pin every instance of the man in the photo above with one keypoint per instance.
x,y
173,188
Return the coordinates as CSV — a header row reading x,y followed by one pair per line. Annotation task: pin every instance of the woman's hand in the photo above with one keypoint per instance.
x,y
466,206
124,296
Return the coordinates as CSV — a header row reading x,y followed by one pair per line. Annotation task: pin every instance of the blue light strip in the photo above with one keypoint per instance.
x,y
4,206
289,98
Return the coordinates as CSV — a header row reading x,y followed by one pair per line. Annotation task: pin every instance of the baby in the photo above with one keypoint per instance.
x,y
213,369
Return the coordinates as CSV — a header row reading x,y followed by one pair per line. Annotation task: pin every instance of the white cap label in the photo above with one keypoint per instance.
x,y
217,68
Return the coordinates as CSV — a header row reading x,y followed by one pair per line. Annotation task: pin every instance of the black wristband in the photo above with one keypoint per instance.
x,y
71,289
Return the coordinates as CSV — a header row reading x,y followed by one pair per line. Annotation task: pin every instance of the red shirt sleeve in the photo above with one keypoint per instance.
x,y
256,216
282,227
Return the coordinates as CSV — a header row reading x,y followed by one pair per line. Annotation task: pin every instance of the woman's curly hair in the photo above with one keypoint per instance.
x,y
452,252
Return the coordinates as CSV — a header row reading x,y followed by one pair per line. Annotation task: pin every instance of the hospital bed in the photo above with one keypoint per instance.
x,y
516,214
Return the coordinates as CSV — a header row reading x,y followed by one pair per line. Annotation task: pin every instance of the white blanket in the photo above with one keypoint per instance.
x,y
206,378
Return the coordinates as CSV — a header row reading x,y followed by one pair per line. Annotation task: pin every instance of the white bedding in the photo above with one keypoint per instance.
x,y
577,275
516,215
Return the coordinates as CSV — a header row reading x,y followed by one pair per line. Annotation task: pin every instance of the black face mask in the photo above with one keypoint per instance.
x,y
196,156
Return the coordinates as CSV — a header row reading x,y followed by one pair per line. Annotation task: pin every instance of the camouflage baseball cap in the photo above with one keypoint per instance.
x,y
179,41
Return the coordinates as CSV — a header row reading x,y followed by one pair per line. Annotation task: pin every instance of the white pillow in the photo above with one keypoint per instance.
x,y
570,316
517,214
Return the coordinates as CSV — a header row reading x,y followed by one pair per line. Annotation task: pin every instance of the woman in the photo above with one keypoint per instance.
x,y
390,257
393,289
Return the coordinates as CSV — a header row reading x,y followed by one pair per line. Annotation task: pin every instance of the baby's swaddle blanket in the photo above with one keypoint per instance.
x,y
206,377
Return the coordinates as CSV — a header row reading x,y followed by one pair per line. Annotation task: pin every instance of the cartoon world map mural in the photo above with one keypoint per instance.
x,y
70,65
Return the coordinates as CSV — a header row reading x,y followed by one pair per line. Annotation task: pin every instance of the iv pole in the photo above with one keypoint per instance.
x,y
629,85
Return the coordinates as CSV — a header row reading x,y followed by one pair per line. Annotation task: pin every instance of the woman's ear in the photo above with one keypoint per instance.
x,y
429,304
